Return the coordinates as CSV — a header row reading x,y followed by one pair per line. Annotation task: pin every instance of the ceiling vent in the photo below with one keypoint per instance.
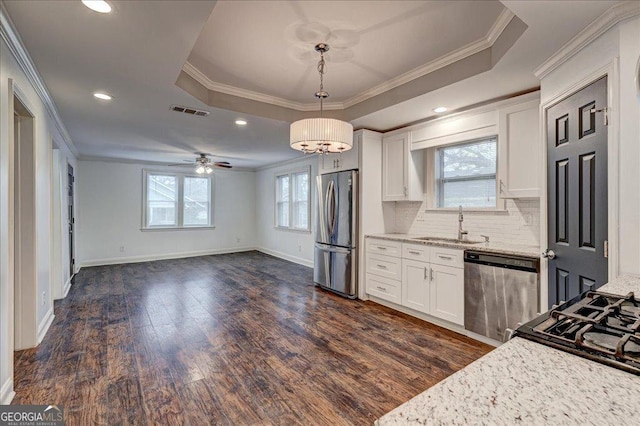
x,y
190,111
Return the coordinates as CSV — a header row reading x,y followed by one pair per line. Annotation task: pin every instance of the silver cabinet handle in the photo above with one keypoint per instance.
x,y
381,266
414,252
425,273
431,274
405,191
381,248
444,257
381,288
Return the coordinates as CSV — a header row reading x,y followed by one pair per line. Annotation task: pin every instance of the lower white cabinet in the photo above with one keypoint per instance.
x,y
430,280
446,299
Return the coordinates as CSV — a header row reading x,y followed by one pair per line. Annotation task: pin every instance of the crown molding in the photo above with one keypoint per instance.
x,y
11,37
472,48
201,78
595,29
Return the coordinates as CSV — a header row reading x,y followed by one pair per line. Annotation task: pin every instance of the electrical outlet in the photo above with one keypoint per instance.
x,y
44,295
121,249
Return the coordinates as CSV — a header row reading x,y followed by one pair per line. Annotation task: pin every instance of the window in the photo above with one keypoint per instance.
x,y
466,174
177,200
293,200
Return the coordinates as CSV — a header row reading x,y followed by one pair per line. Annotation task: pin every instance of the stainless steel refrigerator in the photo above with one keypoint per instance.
x,y
336,258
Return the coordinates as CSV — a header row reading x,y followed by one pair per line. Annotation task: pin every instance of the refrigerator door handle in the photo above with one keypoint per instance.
x,y
330,200
333,249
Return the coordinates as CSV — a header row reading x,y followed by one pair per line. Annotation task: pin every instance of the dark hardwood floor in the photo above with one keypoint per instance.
x,y
229,339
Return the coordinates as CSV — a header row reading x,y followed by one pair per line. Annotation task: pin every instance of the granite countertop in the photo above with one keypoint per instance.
x,y
490,247
523,382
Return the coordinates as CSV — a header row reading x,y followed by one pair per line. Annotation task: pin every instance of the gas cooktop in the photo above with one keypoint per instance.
x,y
599,326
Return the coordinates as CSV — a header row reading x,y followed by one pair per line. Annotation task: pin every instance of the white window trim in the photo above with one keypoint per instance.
x,y
180,204
432,163
290,173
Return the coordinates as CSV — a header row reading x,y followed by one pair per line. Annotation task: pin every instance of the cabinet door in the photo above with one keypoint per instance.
x,y
415,285
347,160
447,293
519,156
394,167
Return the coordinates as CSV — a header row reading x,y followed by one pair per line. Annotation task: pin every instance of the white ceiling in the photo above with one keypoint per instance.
x,y
137,52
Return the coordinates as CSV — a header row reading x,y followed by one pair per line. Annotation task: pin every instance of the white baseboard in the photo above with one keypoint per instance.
x,y
67,287
285,256
45,324
150,258
6,392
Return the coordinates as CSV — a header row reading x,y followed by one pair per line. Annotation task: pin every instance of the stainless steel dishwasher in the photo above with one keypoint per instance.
x,y
500,291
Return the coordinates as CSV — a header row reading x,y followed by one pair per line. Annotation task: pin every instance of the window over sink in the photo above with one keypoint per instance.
x,y
465,174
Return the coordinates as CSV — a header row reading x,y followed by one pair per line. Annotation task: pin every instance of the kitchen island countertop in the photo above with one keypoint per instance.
x,y
490,247
523,382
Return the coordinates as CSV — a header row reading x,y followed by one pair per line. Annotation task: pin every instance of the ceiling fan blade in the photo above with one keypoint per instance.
x,y
180,164
222,162
223,165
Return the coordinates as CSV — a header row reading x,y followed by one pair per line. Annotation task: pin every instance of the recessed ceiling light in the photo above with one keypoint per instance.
x,y
241,122
102,96
99,6
440,109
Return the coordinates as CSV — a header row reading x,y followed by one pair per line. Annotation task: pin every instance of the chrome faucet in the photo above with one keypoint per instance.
x,y
461,233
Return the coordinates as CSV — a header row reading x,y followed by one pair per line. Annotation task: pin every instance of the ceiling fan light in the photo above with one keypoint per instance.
x,y
200,169
208,170
321,134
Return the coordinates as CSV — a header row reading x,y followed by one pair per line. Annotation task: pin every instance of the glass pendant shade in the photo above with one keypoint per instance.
x,y
323,135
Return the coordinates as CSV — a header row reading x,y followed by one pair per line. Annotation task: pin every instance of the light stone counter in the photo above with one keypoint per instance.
x,y
523,382
490,247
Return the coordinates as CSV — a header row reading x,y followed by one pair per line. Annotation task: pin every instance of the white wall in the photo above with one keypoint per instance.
x,y
45,132
296,246
621,43
519,224
110,216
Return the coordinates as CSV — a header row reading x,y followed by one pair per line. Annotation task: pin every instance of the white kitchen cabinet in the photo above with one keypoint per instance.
x,y
446,296
347,160
519,150
402,169
415,285
425,278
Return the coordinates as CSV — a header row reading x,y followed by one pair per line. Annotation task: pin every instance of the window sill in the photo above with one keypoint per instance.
x,y
299,231
184,228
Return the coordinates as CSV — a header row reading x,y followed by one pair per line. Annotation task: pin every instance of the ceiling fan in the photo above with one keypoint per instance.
x,y
204,164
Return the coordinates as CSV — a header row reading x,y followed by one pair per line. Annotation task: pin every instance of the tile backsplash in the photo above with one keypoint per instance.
x,y
518,224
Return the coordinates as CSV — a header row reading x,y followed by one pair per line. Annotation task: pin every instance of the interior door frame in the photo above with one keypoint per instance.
x,y
611,71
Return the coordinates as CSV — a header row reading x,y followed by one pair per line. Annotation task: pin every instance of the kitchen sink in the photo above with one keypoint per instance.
x,y
448,240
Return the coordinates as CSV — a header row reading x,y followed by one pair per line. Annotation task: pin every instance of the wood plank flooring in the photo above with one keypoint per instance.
x,y
241,338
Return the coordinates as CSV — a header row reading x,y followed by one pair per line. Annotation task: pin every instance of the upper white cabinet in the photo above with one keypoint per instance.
x,y
347,160
519,150
402,169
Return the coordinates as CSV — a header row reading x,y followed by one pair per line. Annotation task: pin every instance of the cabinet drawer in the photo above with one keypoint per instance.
x,y
447,257
415,252
384,266
384,288
386,247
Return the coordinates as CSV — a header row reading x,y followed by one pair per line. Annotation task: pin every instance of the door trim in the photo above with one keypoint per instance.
x,y
611,71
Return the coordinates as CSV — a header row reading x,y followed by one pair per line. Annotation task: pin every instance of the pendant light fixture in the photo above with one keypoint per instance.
x,y
321,135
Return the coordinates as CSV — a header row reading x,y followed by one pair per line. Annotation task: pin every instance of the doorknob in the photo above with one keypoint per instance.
x,y
549,254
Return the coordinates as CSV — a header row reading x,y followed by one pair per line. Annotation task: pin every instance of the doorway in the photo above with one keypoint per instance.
x,y
577,193
71,220
24,241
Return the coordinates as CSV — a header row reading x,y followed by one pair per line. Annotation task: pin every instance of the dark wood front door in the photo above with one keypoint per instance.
x,y
577,192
